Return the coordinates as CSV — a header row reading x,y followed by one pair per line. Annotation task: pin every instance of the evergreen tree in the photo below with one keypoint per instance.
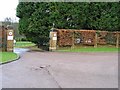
x,y
36,19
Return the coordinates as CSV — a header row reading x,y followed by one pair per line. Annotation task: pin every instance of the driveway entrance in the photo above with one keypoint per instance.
x,y
62,70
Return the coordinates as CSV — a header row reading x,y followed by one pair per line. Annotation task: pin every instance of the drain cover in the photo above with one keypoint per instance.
x,y
40,67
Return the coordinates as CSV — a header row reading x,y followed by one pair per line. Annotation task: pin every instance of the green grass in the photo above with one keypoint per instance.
x,y
7,56
24,44
89,49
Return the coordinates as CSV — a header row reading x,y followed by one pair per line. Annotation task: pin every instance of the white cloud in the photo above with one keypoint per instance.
x,y
8,9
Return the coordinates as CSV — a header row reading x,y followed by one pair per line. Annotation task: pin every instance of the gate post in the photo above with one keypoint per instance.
x,y
117,42
10,40
73,40
96,39
53,40
3,38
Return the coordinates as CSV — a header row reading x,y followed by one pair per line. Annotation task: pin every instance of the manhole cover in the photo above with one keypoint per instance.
x,y
40,67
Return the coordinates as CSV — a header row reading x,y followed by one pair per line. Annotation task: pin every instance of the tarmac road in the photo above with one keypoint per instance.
x,y
62,70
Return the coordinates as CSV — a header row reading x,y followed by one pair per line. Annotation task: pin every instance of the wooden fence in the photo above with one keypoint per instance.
x,y
72,38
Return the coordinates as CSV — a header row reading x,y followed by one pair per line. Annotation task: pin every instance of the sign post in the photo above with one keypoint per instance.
x,y
10,40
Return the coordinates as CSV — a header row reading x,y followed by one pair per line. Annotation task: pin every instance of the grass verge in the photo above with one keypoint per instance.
x,y
89,49
8,57
24,44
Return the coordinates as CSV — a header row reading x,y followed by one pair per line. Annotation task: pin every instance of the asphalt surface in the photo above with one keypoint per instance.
x,y
20,50
61,70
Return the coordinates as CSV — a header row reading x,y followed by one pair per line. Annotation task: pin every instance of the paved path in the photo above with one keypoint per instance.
x,y
20,50
62,70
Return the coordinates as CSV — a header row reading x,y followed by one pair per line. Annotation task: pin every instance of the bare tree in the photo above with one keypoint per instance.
x,y
8,21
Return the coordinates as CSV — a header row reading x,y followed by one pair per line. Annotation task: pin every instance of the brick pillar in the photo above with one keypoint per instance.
x,y
10,40
53,41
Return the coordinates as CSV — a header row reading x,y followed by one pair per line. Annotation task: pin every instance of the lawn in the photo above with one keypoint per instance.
x,y
7,56
106,48
89,49
24,44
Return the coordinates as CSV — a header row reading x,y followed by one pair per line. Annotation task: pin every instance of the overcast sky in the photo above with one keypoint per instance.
x,y
8,9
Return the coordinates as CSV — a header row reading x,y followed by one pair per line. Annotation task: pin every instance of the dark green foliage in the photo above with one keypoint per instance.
x,y
36,19
104,16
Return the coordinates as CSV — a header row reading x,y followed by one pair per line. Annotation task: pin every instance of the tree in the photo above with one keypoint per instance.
x,y
104,16
8,21
36,19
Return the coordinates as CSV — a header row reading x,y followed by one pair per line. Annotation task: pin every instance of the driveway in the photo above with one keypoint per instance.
x,y
20,50
62,70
